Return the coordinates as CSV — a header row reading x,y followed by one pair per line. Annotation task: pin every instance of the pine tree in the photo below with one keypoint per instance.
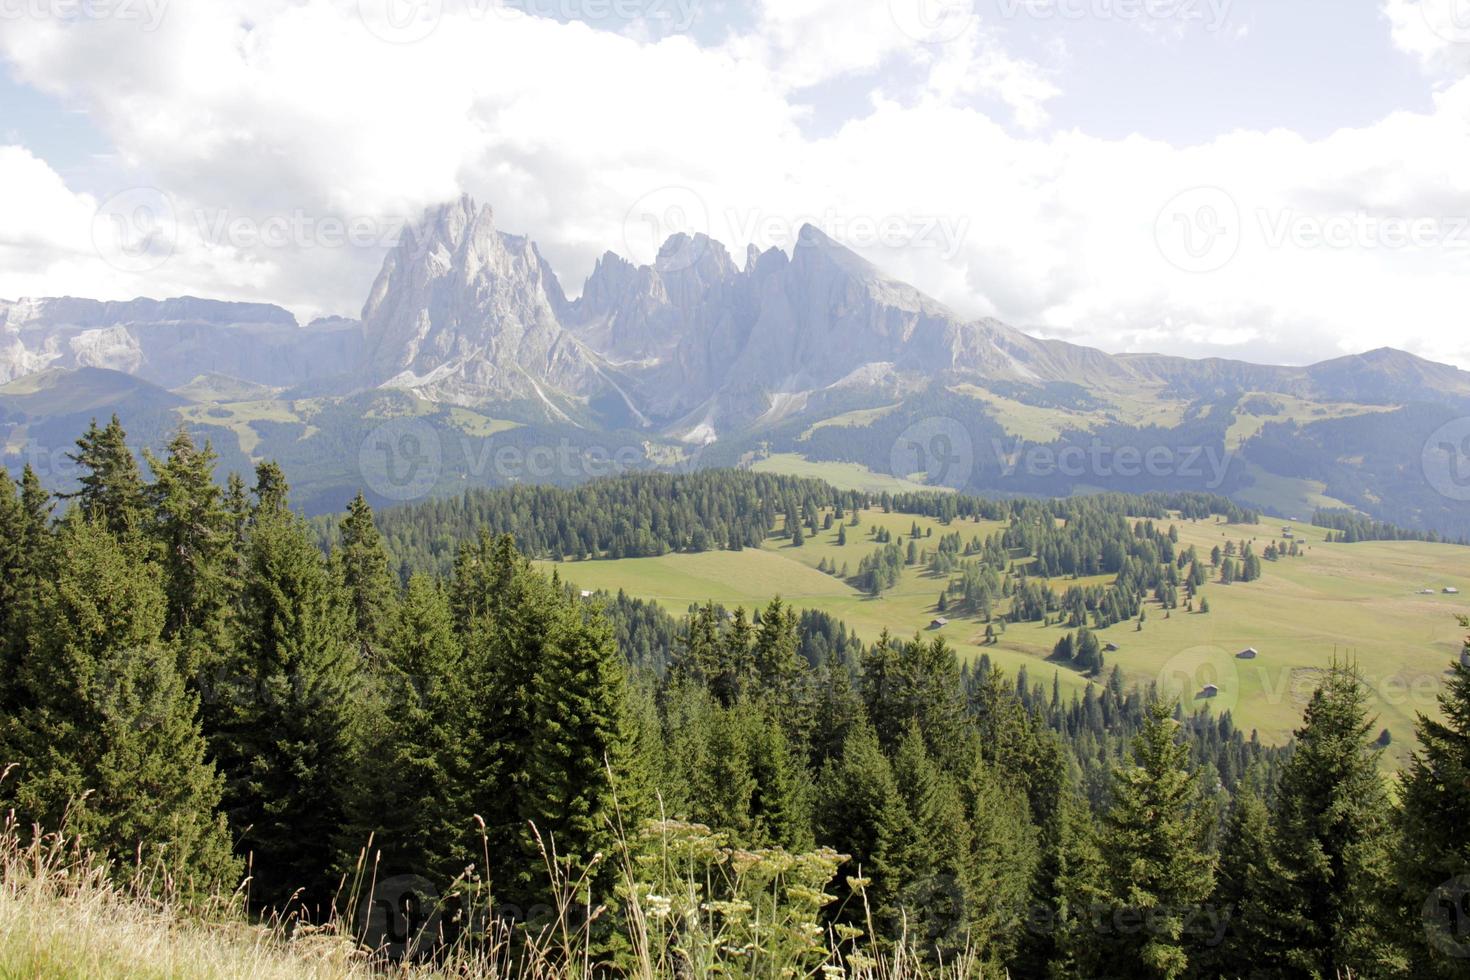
x,y
504,615
1155,840
111,488
361,566
108,736
410,794
1335,839
780,671
29,559
936,901
1435,795
1247,890
581,744
861,813
271,492
13,589
191,530
289,712
837,711
781,805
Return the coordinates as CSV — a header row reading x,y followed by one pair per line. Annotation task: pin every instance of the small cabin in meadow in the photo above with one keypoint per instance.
x,y
1249,653
1451,590
586,593
939,623
1209,691
1111,648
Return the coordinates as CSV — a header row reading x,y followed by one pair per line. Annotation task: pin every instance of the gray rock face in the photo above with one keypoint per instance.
x,y
462,313
693,345
173,341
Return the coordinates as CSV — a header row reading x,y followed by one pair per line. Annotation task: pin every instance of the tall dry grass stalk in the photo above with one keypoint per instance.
x,y
684,905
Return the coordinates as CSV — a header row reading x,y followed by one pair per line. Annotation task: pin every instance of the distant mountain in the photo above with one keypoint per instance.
x,y
796,359
170,342
82,391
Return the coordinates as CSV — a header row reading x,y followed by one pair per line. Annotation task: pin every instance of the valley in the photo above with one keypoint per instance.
x,y
1354,601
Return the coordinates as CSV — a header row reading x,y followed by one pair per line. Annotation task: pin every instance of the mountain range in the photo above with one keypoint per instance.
x,y
804,359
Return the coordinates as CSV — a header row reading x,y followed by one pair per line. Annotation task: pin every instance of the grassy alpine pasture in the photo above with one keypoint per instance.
x,y
1360,601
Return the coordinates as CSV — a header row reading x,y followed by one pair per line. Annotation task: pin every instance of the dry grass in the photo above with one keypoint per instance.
x,y
66,914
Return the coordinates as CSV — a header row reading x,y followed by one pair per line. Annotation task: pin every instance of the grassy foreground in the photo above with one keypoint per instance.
x,y
688,906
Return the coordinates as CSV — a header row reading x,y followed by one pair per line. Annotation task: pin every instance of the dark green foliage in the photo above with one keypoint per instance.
x,y
111,489
1335,838
637,515
288,709
1435,792
1160,869
372,696
361,566
862,813
192,533
409,794
106,735
1248,891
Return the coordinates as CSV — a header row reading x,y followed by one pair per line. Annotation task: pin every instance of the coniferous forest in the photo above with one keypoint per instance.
x,y
196,679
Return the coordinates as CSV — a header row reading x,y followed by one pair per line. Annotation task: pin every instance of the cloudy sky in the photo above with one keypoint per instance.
x,y
1279,180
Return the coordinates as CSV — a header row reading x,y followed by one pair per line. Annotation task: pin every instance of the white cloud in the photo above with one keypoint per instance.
x,y
279,111
1437,32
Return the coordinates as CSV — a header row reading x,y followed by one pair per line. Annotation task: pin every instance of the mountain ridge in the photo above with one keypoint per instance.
x,y
692,345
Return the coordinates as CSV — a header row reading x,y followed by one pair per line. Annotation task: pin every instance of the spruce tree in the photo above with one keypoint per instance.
x,y
111,488
837,710
1435,824
781,806
13,564
107,735
1160,870
288,711
580,750
1247,892
411,792
1335,836
861,813
361,566
937,901
194,541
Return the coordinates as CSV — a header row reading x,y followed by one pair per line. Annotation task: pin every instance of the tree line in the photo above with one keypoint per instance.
x,y
189,678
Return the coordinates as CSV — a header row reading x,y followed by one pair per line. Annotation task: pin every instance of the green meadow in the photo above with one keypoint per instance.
x,y
1357,601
